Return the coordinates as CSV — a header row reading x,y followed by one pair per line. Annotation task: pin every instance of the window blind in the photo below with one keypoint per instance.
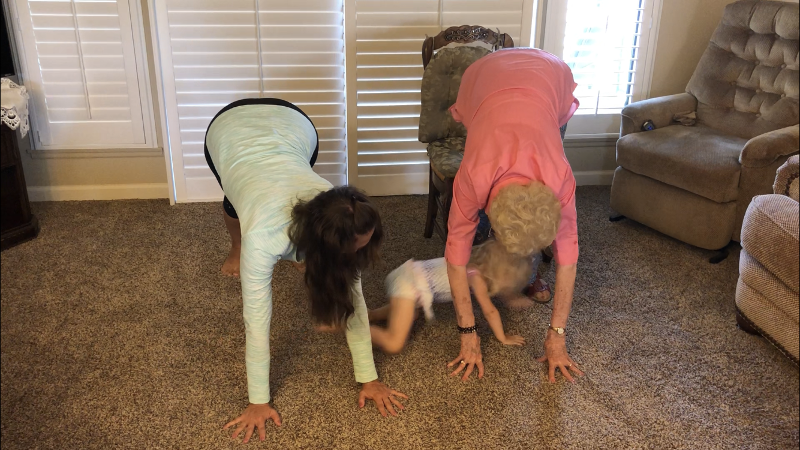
x,y
83,67
601,44
609,47
218,52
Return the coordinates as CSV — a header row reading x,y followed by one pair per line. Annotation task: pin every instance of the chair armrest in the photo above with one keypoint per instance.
x,y
788,174
660,110
766,148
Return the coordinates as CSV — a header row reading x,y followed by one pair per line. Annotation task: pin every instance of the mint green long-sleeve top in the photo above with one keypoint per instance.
x,y
262,153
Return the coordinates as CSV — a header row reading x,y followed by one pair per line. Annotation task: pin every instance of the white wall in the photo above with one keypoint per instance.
x,y
686,27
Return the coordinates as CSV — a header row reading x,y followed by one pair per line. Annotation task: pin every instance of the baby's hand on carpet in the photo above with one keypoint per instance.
x,y
382,395
254,417
514,340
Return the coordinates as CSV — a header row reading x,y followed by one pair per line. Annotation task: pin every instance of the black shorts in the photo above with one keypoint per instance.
x,y
226,204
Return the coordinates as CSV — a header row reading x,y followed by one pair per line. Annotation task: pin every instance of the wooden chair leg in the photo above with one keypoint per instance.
x,y
547,254
446,205
433,193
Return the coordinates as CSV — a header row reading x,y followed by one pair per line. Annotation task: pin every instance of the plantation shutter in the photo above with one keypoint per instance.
x,y
84,74
214,53
388,39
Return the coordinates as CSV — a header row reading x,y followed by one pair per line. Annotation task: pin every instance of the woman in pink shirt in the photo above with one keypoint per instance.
x,y
512,103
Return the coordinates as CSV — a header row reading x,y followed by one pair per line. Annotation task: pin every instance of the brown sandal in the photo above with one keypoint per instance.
x,y
536,287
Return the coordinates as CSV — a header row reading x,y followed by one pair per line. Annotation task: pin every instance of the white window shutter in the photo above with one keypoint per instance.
x,y
389,37
213,53
602,44
84,70
607,45
303,62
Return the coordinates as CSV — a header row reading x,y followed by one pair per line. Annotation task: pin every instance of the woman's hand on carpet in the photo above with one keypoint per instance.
x,y
383,396
470,356
556,356
254,417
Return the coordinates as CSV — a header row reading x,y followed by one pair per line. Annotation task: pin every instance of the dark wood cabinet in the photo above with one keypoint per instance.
x,y
17,223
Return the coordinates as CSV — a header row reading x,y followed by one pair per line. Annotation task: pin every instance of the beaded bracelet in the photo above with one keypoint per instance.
x,y
467,330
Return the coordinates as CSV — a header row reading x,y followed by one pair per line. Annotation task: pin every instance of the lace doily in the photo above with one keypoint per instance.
x,y
14,106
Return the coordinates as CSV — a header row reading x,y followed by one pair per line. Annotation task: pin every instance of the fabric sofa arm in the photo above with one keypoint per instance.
x,y
660,110
787,179
766,148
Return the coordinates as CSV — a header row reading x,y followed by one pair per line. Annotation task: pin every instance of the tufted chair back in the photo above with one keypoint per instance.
x,y
439,92
746,83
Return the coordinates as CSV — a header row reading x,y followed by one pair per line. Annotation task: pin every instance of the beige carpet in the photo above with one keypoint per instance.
x,y
119,332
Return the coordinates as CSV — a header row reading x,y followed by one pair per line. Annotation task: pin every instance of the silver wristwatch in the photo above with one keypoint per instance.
x,y
558,330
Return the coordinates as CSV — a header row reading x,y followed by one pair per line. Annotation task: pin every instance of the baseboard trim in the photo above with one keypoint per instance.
x,y
96,153
583,141
375,186
594,177
399,184
98,192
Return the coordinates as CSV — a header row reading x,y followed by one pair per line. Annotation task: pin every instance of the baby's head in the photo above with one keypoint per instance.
x,y
504,272
525,217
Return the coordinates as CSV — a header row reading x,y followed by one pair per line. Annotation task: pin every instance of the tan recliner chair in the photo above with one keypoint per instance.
x,y
767,298
694,183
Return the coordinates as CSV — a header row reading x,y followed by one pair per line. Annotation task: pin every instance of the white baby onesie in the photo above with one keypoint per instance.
x,y
425,282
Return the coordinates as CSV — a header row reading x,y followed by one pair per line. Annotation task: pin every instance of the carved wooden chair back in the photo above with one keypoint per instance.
x,y
464,34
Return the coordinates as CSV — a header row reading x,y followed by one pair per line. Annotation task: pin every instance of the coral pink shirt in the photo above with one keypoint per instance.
x,y
512,103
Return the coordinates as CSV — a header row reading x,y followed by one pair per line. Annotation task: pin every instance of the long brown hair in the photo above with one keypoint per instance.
x,y
324,232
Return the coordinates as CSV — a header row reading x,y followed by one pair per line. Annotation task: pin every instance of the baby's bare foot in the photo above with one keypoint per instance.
x,y
231,265
518,302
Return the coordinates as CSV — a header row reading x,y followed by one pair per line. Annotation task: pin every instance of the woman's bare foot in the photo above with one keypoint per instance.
x,y
231,265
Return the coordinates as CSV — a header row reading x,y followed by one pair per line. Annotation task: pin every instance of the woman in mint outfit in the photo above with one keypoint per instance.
x,y
276,207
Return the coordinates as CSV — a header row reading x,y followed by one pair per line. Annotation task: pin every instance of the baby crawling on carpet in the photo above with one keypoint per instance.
x,y
492,271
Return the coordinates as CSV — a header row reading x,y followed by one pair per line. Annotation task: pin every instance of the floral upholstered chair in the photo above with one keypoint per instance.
x,y
458,47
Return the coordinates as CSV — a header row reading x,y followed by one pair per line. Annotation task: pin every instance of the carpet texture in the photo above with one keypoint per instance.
x,y
118,331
